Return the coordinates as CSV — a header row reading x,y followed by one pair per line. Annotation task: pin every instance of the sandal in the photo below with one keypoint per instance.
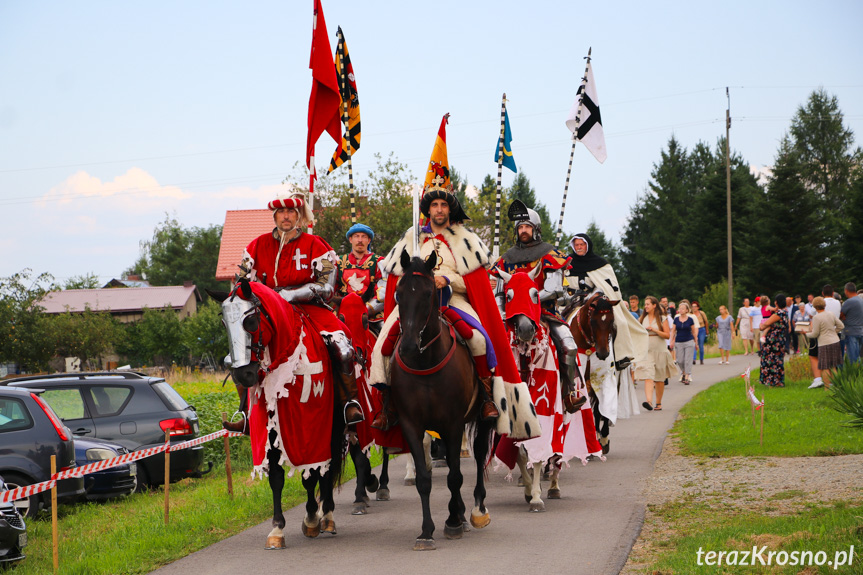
x,y
658,407
647,406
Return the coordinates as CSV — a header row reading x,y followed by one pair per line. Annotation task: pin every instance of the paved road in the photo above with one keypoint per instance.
x,y
590,530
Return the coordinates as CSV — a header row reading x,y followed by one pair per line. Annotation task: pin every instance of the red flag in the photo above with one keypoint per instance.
x,y
324,101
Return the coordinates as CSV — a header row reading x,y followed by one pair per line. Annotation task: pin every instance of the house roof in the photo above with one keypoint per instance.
x,y
130,299
241,227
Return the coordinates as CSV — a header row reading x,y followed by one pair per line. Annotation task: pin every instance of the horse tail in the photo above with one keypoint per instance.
x,y
338,443
475,428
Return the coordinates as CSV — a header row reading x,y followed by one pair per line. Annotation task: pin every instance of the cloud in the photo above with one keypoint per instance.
x,y
134,189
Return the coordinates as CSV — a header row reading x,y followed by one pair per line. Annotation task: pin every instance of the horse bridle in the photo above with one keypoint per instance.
x,y
591,307
432,309
422,348
256,345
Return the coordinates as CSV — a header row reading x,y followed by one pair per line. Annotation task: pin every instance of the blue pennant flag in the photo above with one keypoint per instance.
x,y
508,160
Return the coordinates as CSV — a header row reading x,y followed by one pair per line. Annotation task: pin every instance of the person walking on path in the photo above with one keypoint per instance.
x,y
744,327
658,365
702,332
825,328
683,334
852,317
774,330
755,323
724,332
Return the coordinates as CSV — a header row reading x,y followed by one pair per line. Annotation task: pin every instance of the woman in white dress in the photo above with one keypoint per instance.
x,y
658,365
744,327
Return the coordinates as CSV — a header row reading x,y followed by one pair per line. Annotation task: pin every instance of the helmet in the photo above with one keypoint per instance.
x,y
521,214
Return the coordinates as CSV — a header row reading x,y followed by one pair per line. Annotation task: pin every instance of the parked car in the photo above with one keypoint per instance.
x,y
30,433
116,481
128,408
13,532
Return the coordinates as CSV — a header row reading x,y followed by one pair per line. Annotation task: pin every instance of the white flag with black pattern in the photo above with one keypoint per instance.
x,y
585,117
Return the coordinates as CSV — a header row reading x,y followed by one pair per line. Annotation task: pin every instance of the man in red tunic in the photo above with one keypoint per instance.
x,y
301,267
358,273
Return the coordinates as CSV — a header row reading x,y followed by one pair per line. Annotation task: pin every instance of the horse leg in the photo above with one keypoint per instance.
x,y
311,522
410,467
554,488
276,479
328,505
425,542
479,516
410,472
361,464
454,525
383,492
526,480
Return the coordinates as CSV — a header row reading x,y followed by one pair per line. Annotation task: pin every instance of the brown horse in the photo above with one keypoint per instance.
x,y
434,387
593,328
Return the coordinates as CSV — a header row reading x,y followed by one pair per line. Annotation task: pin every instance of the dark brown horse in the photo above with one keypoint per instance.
x,y
593,328
434,387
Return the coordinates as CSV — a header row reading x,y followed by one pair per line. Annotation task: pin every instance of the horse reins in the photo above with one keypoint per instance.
x,y
589,340
435,368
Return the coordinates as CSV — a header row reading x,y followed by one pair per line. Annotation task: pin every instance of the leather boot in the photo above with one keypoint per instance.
x,y
489,409
387,416
240,426
347,394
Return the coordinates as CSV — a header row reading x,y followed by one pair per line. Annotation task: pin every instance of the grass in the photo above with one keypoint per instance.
x,y
129,535
797,421
832,528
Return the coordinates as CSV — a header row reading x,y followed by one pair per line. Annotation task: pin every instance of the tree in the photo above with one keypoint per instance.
x,y
176,254
85,281
86,335
852,247
203,333
158,337
24,329
604,247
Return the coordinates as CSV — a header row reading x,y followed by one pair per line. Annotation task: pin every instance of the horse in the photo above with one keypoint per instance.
x,y
294,416
536,356
434,386
592,325
353,313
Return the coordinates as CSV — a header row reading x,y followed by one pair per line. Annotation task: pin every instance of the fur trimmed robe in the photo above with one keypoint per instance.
x,y
470,256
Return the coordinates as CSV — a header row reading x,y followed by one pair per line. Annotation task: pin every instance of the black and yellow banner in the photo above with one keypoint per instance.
x,y
348,92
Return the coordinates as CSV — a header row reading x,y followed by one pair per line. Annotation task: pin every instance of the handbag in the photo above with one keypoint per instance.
x,y
802,327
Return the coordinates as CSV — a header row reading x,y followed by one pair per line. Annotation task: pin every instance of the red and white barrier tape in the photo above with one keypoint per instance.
x,y
28,490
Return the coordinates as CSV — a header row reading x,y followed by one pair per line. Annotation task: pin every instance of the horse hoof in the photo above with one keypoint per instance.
x,y
328,526
311,530
465,454
465,526
382,494
480,521
537,507
606,447
424,545
546,476
359,508
439,463
554,493
373,484
453,532
275,542
367,501
527,498
411,481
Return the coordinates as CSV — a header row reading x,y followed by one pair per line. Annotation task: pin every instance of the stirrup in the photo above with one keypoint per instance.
x,y
358,416
572,402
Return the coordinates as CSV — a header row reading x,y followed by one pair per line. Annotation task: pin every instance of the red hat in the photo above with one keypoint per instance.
x,y
758,299
292,202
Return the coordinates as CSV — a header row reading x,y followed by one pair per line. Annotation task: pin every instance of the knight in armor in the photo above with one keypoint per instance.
x,y
301,267
589,273
529,252
358,273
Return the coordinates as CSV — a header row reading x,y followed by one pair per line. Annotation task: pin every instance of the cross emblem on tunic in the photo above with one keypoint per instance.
x,y
307,369
298,258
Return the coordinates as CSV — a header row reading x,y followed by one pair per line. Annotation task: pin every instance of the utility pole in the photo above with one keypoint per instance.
x,y
728,199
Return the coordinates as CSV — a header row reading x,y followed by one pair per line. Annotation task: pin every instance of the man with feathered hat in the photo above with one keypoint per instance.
x,y
358,273
529,252
301,267
462,278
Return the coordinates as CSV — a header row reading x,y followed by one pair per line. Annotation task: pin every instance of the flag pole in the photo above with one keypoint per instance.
x,y
495,253
581,90
346,103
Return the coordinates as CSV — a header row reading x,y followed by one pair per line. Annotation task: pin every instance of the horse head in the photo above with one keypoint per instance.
x,y
247,338
523,310
418,302
601,320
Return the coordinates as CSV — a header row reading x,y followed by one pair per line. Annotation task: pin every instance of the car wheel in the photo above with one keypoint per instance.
x,y
29,506
142,482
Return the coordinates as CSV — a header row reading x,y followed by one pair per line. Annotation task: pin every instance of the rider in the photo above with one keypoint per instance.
x,y
589,273
301,267
462,278
530,251
358,273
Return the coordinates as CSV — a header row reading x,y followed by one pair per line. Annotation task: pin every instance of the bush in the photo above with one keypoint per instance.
x,y
798,368
846,392
210,406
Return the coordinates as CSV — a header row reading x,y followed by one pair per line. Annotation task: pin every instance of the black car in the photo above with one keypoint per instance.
x,y
128,408
116,481
13,532
30,433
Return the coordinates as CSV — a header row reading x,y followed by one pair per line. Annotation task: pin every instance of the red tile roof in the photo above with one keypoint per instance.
x,y
118,300
241,227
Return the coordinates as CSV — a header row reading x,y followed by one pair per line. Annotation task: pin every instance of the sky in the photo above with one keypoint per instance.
x,y
116,114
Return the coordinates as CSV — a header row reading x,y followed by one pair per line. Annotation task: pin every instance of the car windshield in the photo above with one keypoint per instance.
x,y
169,395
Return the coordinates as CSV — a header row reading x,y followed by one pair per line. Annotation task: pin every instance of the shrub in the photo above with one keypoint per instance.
x,y
798,368
209,407
846,392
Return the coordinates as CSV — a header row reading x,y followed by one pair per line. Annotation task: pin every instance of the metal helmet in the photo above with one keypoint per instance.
x,y
521,214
